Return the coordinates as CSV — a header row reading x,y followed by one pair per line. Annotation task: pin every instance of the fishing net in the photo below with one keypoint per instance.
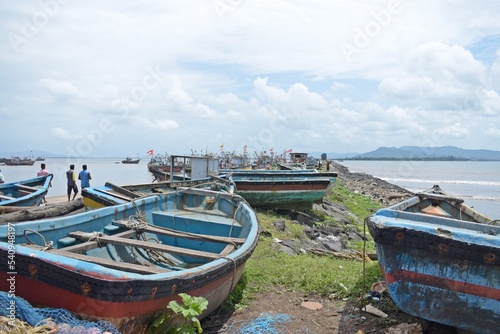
x,y
16,312
265,324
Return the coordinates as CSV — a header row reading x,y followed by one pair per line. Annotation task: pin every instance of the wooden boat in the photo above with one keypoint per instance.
x,y
111,194
440,260
281,189
129,160
183,168
25,193
125,263
16,161
163,173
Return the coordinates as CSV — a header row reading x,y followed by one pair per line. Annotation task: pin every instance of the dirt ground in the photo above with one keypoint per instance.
x,y
282,312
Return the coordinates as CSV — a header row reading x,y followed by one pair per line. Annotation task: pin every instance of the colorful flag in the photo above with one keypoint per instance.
x,y
150,152
221,147
245,149
289,151
271,149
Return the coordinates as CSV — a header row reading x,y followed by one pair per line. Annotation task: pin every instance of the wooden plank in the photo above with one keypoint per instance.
x,y
131,267
27,188
122,190
204,192
150,245
440,197
89,245
227,250
185,235
6,197
122,197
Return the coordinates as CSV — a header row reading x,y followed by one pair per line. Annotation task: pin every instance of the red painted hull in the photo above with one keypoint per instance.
x,y
129,317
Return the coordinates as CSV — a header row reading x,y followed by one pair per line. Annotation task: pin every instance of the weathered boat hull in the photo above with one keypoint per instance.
x,y
205,238
129,316
439,267
25,193
277,189
282,194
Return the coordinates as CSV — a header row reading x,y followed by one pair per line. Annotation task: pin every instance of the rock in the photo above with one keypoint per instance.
x,y
312,305
280,225
405,329
331,243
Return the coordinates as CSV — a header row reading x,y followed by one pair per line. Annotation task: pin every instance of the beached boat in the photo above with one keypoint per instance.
x,y
281,189
129,160
111,194
26,192
440,260
184,167
125,263
163,173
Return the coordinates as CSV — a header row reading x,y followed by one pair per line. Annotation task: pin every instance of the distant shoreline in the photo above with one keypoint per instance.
x,y
415,159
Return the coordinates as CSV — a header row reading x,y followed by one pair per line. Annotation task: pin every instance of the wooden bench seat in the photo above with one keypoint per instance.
x,y
124,266
8,198
26,188
185,235
148,245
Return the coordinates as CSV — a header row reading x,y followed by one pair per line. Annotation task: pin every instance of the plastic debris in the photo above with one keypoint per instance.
x,y
375,311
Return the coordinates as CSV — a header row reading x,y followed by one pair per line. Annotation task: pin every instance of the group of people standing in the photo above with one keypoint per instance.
x,y
84,177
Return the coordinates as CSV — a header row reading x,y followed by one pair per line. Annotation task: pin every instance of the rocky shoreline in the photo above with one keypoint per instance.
x,y
377,189
333,240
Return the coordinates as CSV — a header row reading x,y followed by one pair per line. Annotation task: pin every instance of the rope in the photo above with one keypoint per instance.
x,y
234,271
46,245
494,222
95,236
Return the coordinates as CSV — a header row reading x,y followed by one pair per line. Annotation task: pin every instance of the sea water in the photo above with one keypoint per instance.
x,y
102,170
477,182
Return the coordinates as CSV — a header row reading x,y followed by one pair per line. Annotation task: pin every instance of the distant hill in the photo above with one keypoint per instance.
x,y
429,153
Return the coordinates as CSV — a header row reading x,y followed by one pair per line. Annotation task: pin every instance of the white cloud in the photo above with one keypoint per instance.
x,y
260,72
60,89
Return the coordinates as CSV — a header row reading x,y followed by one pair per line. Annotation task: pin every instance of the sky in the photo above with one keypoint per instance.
x,y
120,77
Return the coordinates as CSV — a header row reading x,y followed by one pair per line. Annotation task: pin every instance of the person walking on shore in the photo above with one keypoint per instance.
x,y
43,172
84,177
71,177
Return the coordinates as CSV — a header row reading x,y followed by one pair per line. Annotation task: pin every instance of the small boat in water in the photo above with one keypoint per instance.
x,y
441,260
125,263
281,189
129,160
26,192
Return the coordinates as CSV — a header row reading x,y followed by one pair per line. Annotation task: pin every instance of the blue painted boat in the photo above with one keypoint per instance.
x,y
125,263
110,194
26,192
441,260
281,189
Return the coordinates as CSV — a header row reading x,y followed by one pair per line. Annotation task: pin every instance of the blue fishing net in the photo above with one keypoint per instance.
x,y
265,324
65,321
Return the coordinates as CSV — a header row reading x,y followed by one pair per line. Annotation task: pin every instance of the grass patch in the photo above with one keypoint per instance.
x,y
269,268
361,206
